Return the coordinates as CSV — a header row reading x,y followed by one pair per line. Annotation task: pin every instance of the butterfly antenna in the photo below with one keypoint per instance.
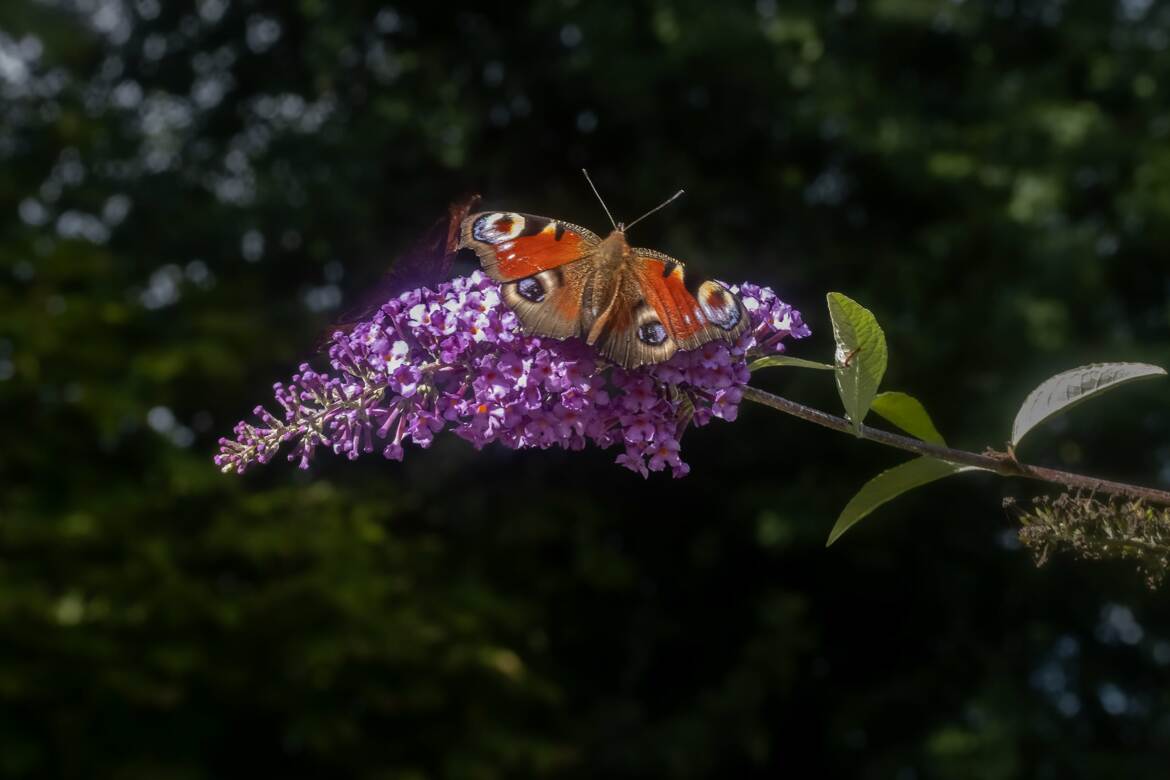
x,y
598,194
663,204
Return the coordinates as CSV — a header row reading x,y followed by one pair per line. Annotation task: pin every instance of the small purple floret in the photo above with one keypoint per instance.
x,y
456,357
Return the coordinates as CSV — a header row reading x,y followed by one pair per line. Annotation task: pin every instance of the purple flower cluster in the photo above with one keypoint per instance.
x,y
456,357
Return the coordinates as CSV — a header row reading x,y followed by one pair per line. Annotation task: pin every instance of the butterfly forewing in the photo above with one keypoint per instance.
x,y
513,246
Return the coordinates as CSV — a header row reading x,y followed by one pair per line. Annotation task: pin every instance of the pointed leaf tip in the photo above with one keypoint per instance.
x,y
1069,388
889,485
785,360
908,413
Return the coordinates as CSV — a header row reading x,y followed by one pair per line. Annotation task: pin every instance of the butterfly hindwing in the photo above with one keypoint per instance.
x,y
549,302
635,336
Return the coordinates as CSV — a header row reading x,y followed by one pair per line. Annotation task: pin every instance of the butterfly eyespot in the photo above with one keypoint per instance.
x,y
530,289
719,305
497,227
652,333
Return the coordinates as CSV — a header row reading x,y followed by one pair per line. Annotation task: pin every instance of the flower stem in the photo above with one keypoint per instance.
x,y
1002,463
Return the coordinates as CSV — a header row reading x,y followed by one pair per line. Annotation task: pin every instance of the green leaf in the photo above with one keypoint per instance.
x,y
908,413
861,355
889,485
1069,388
784,360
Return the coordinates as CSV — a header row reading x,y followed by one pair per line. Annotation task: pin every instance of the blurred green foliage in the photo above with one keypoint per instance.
x,y
191,192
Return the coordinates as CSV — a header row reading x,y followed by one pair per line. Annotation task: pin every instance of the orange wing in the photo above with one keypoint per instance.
x,y
514,246
692,316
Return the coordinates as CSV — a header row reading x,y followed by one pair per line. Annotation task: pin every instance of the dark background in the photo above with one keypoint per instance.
x,y
191,193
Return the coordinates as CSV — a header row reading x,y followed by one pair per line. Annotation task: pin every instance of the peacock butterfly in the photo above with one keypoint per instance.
x,y
563,280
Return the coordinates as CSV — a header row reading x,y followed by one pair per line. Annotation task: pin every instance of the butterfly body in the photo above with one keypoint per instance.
x,y
633,304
